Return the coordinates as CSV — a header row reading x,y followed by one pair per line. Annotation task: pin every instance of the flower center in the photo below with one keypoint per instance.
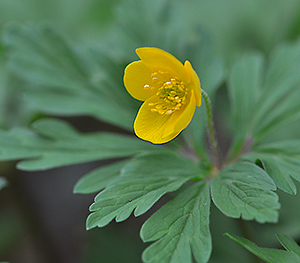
x,y
171,92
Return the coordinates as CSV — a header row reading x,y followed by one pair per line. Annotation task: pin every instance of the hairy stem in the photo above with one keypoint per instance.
x,y
211,131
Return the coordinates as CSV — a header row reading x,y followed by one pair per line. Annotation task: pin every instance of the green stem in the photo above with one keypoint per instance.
x,y
211,131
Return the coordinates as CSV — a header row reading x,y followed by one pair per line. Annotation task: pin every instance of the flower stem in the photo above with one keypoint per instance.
x,y
211,131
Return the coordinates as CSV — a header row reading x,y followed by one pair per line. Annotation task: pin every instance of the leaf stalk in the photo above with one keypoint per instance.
x,y
213,141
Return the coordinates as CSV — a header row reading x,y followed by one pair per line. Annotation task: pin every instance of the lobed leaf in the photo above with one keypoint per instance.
x,y
166,163
60,80
245,190
99,178
53,143
264,100
278,105
244,90
143,181
286,148
280,171
181,228
269,255
281,160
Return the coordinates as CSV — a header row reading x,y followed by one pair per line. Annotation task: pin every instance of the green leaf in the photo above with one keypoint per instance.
x,y
285,148
244,90
280,171
281,160
53,143
167,163
269,255
286,112
143,181
245,190
61,80
3,94
99,178
3,182
289,244
181,228
278,103
136,16
264,101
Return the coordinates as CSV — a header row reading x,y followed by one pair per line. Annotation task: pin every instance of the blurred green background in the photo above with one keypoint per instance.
x,y
40,219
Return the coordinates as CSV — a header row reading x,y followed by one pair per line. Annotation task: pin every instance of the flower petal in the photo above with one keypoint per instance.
x,y
158,59
181,119
150,126
194,82
136,75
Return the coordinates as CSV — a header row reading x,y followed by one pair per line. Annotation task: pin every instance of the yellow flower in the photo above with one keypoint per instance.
x,y
170,91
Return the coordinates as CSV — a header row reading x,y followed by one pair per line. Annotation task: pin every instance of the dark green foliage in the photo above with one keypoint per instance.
x,y
272,255
142,182
53,143
62,77
181,228
281,160
244,190
65,79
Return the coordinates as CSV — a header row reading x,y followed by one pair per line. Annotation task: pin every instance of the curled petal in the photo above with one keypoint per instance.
x,y
136,76
150,126
181,119
194,82
158,59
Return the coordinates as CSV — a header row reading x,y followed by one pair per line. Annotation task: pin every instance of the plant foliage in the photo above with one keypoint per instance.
x,y
269,255
52,143
61,77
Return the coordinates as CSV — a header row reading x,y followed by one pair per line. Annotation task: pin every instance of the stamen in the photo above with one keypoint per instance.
x,y
153,90
146,86
177,107
177,99
171,92
160,84
154,80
